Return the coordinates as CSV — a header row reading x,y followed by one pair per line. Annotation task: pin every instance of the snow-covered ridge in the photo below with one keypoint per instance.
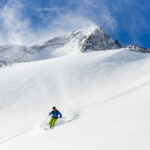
x,y
90,39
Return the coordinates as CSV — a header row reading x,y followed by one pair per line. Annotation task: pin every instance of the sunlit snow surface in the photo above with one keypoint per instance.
x,y
103,96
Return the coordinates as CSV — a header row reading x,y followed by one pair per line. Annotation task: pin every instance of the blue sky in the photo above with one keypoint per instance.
x,y
23,21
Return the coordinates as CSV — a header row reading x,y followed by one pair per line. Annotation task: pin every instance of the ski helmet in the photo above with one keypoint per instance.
x,y
54,107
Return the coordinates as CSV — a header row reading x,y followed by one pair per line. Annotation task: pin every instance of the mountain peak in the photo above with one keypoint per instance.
x,y
99,40
85,40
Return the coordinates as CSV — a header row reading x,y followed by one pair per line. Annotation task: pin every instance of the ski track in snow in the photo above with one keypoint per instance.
x,y
11,136
128,91
37,129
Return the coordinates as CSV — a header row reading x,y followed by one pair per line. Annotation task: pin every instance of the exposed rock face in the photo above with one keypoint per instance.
x,y
136,48
91,39
99,40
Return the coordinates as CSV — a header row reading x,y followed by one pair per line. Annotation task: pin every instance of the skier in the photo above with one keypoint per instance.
x,y
55,114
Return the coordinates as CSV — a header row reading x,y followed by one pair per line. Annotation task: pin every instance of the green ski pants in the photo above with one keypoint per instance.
x,y
53,121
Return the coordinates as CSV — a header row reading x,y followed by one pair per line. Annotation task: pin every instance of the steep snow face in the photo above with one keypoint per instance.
x,y
91,39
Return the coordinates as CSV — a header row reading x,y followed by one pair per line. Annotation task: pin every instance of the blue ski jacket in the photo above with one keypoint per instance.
x,y
55,114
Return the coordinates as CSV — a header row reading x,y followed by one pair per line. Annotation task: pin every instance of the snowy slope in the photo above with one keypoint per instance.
x,y
103,95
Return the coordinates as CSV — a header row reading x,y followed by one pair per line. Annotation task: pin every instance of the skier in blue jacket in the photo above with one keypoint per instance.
x,y
55,114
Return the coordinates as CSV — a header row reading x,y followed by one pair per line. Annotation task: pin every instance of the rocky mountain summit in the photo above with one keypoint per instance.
x,y
85,40
90,39
99,40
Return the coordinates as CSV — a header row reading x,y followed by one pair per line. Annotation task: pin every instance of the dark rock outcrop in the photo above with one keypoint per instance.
x,y
136,48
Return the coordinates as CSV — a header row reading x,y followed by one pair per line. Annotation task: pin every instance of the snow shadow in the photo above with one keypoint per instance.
x,y
64,120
